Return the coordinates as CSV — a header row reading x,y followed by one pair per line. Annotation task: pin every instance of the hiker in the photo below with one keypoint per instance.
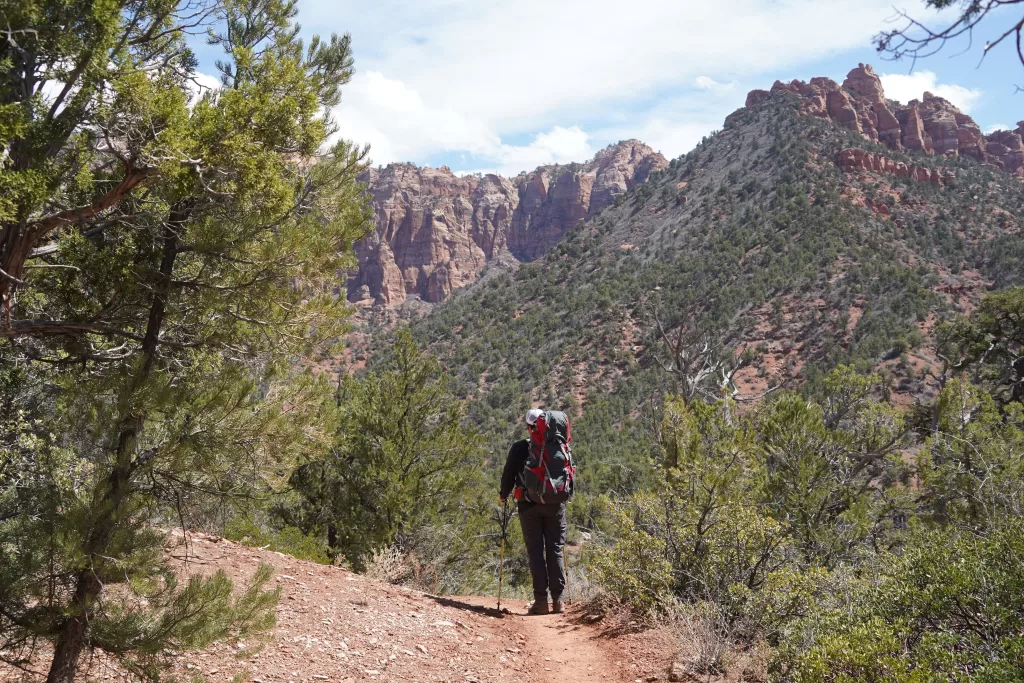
x,y
540,472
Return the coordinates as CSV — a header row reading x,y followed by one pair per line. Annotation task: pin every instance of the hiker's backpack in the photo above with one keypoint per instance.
x,y
549,474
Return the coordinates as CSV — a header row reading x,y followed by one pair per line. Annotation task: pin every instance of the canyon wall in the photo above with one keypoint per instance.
x,y
435,232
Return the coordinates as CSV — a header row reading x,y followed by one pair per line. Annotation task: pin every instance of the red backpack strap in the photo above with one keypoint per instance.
x,y
540,428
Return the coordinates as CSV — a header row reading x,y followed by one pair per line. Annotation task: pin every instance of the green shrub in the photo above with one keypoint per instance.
x,y
701,531
945,607
825,462
289,540
636,569
973,466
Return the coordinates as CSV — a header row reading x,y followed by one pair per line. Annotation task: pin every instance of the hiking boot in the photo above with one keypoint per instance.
x,y
556,606
538,607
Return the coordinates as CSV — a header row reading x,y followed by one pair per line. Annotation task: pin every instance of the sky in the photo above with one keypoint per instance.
x,y
499,86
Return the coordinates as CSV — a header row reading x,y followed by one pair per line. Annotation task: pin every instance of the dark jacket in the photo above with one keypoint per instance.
x,y
514,464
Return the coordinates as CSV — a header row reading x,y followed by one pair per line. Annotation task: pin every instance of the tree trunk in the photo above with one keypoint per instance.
x,y
117,488
13,252
935,406
332,543
72,639
17,240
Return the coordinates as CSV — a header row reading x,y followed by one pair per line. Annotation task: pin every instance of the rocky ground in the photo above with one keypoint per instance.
x,y
333,625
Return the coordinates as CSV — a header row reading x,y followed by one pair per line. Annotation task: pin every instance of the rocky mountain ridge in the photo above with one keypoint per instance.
x,y
931,125
435,232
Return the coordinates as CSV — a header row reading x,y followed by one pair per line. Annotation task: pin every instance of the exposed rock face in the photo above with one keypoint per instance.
x,y
854,159
940,122
864,82
815,95
889,129
756,97
550,207
840,108
932,125
913,135
553,201
618,168
1006,148
435,232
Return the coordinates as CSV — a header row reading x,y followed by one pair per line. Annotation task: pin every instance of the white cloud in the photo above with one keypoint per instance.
x,y
997,126
200,84
906,87
677,124
511,62
400,126
457,75
670,137
706,83
557,146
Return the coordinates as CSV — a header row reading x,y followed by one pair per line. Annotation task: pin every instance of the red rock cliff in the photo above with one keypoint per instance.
x,y
931,125
434,231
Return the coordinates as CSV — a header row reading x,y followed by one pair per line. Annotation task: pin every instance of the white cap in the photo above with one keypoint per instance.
x,y
532,414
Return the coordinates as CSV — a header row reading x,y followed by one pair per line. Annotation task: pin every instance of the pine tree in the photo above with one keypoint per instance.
x,y
990,344
166,260
403,464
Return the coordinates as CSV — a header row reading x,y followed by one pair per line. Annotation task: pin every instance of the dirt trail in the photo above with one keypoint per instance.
x,y
560,647
333,625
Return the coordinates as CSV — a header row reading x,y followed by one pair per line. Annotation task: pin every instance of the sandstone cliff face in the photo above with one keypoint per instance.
x,y
1006,149
550,205
854,159
932,125
617,169
553,200
435,232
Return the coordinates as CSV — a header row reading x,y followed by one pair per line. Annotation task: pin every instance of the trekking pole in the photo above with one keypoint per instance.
x,y
501,555
565,563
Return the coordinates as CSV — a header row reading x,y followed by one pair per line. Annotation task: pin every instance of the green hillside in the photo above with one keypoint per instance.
x,y
755,237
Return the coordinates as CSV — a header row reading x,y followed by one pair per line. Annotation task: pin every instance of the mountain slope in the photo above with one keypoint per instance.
x,y
759,236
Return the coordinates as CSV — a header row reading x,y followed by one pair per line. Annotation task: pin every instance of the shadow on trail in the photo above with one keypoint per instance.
x,y
479,609
606,626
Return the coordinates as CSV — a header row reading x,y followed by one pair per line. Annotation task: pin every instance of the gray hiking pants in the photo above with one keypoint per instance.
x,y
543,527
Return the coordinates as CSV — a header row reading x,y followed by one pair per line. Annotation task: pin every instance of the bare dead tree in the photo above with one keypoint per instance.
x,y
701,364
914,40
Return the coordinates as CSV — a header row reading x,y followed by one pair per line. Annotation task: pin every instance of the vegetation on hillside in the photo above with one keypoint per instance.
x,y
794,523
828,528
403,475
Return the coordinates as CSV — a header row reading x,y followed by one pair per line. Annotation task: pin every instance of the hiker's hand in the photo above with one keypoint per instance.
x,y
502,500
